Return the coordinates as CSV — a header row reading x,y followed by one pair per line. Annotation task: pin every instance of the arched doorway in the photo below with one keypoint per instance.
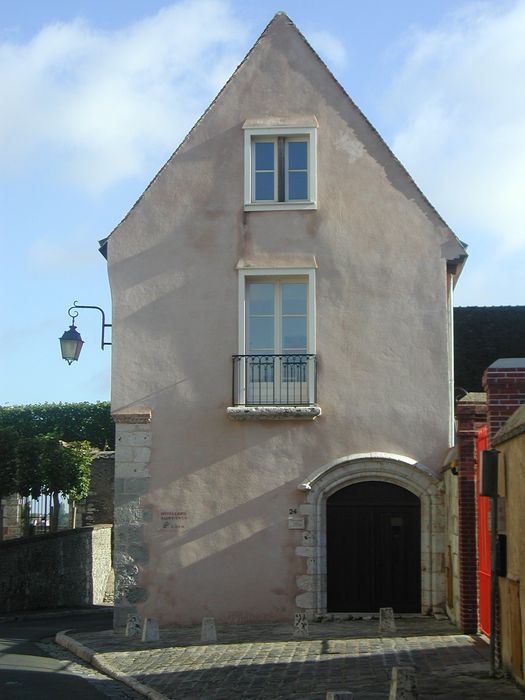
x,y
373,547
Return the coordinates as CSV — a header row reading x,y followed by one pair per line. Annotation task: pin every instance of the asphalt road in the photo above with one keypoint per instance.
x,y
32,667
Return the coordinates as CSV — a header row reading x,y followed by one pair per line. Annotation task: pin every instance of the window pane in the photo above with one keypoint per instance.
x,y
297,155
294,333
261,334
297,186
264,186
260,299
294,298
264,155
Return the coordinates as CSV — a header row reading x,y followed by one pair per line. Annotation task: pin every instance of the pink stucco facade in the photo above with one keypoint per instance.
x,y
202,500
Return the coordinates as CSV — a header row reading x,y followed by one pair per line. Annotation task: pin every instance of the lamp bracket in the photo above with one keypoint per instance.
x,y
73,313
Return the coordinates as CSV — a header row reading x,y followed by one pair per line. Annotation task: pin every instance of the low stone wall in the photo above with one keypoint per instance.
x,y
61,569
11,517
98,507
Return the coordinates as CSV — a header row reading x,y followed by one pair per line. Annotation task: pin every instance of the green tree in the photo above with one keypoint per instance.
x,y
30,477
65,469
8,462
69,421
8,469
46,449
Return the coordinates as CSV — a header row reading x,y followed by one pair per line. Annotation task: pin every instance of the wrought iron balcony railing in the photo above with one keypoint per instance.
x,y
274,380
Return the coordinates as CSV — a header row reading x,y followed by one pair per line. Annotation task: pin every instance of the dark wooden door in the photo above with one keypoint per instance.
x,y
373,549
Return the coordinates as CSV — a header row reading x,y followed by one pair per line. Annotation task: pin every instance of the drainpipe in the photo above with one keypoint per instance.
x,y
450,348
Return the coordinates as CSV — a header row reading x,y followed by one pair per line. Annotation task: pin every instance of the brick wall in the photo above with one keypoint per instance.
x,y
471,414
504,382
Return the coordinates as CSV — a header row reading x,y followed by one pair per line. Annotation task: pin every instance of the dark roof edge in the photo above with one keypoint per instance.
x,y
494,306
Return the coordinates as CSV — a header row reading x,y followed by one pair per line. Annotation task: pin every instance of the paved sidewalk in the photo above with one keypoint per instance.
x,y
265,662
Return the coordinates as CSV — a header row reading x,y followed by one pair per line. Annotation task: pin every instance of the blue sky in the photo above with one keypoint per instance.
x,y
97,94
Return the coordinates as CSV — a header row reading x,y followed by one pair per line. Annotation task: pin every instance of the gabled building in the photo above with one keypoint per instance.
x,y
282,378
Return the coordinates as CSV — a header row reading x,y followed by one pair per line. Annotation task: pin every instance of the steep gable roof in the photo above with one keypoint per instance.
x,y
453,249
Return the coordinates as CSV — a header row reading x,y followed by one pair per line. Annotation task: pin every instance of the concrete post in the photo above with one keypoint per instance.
x,y
208,630
150,630
403,684
386,620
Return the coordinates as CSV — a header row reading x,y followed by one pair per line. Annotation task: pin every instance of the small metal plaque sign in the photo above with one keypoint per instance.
x,y
173,520
295,522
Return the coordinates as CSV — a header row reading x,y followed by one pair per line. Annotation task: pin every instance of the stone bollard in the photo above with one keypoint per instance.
x,y
403,685
150,630
386,620
300,625
339,695
208,630
133,627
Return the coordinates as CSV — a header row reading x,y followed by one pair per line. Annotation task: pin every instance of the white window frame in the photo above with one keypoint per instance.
x,y
263,133
280,274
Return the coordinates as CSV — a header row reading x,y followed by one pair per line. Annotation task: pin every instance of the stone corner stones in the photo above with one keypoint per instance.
x,y
403,685
133,627
339,695
300,625
150,630
208,630
386,620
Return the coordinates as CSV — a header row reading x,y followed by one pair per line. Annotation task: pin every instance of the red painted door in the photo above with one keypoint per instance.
x,y
482,443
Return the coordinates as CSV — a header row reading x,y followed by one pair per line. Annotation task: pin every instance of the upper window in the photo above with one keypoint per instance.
x,y
280,167
276,364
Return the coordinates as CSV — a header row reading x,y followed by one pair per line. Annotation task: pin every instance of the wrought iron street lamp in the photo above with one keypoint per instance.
x,y
71,341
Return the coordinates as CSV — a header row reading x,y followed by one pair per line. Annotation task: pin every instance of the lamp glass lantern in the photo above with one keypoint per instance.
x,y
71,344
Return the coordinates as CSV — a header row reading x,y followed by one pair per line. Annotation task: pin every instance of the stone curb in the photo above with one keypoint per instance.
x,y
95,660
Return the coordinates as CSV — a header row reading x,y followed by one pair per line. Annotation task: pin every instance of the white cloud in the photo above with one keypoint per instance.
x,y
461,104
47,253
329,47
100,103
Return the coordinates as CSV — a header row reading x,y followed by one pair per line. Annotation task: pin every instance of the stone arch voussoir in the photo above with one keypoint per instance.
x,y
374,466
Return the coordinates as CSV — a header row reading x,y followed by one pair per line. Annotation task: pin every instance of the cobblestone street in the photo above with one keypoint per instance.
x,y
265,662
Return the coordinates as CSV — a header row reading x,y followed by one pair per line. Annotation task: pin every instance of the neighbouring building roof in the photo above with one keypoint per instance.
x,y
474,397
513,427
482,335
